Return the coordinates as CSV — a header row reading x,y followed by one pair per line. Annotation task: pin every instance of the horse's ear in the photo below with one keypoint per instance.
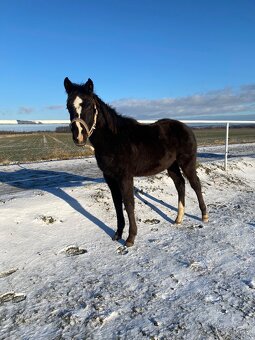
x,y
68,85
89,86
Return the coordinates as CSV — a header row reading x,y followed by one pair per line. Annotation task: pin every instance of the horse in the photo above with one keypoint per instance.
x,y
125,148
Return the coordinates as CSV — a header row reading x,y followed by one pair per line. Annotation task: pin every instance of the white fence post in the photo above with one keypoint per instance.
x,y
226,147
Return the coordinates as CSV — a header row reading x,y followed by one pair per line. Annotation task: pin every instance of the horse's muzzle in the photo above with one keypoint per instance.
x,y
79,131
80,140
80,144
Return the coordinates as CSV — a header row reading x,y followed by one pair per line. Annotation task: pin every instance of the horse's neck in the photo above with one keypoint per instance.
x,y
103,134
109,127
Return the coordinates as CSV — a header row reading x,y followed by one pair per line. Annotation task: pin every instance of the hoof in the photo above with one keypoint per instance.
x,y
178,221
205,218
129,244
116,237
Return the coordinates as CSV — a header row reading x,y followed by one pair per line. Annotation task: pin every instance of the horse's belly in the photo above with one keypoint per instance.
x,y
150,169
135,166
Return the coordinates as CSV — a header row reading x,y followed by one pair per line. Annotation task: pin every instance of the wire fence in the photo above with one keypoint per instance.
x,y
50,140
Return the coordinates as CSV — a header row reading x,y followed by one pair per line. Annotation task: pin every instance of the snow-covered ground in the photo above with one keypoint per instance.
x,y
62,277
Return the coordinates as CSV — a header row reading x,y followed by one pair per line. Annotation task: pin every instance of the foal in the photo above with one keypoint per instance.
x,y
125,148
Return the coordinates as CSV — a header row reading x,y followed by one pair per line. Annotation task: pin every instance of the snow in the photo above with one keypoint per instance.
x,y
62,277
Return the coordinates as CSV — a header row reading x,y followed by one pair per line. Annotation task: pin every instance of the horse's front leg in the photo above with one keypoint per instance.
x,y
127,191
117,200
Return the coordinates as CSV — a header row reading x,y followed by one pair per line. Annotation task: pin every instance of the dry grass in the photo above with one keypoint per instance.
x,y
41,146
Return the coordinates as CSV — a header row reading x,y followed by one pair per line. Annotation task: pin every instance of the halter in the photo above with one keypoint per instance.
x,y
81,121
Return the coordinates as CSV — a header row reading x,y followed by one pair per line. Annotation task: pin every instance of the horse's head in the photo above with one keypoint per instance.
x,y
82,108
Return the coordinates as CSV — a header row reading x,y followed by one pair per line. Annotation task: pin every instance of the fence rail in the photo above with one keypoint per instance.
x,y
64,121
225,123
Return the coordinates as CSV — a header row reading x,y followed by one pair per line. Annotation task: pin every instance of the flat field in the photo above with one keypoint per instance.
x,y
21,148
216,136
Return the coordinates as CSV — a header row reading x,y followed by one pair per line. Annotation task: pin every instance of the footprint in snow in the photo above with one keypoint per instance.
x,y
198,266
195,226
250,283
73,251
151,221
12,296
8,272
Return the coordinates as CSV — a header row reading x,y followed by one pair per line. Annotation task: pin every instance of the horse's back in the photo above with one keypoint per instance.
x,y
163,135
177,133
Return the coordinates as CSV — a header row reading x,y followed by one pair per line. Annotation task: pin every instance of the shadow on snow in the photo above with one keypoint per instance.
x,y
54,182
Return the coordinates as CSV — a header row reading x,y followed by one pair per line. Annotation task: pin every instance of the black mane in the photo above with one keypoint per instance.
x,y
115,120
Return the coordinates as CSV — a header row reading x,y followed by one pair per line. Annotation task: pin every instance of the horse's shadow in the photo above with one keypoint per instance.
x,y
54,182
211,155
221,156
139,194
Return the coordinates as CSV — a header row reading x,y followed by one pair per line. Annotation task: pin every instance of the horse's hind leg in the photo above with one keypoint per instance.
x,y
175,174
189,170
117,200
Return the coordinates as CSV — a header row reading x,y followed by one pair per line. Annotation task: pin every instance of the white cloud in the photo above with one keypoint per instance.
x,y
206,105
26,110
55,107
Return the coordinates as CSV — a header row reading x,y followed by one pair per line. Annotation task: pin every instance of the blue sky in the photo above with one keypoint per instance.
x,y
149,59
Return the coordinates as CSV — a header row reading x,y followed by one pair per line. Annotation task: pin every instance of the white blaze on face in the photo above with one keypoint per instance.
x,y
77,105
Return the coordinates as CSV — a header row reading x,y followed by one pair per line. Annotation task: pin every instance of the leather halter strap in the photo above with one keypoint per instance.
x,y
82,122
